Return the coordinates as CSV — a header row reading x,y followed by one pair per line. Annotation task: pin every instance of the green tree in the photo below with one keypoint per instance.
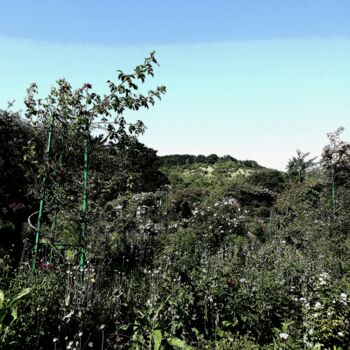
x,y
212,158
299,165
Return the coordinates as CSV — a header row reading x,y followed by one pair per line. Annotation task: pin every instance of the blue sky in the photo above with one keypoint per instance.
x,y
254,79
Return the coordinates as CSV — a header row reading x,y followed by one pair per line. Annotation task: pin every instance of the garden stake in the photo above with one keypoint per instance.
x,y
42,194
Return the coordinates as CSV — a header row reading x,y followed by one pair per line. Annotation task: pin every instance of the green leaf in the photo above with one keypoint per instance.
x,y
157,338
14,314
230,323
19,296
2,297
179,344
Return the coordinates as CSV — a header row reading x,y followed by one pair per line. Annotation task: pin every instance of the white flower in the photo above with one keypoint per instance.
x,y
343,296
341,334
324,275
55,340
284,336
318,305
322,282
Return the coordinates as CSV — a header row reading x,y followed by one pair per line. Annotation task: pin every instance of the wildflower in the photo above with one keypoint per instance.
x,y
341,334
324,276
284,336
318,305
80,334
343,298
55,340
102,327
87,86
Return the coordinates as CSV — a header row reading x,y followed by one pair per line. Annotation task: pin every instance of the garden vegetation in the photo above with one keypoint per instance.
x,y
180,251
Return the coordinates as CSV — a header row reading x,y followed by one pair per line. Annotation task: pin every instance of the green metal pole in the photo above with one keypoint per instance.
x,y
42,195
84,208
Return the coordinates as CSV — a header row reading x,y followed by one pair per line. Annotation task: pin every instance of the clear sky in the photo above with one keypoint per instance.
x,y
256,79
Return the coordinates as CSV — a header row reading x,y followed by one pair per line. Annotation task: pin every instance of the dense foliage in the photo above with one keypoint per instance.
x,y
183,252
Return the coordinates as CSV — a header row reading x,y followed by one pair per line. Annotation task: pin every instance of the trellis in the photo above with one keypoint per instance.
x,y
44,249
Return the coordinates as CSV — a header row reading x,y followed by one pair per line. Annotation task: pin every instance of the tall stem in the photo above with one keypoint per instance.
x,y
103,340
84,208
60,163
333,192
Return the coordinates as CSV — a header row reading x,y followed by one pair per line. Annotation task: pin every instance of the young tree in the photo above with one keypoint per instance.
x,y
69,116
298,166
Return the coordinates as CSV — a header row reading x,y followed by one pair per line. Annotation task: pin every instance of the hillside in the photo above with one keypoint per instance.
x,y
187,169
